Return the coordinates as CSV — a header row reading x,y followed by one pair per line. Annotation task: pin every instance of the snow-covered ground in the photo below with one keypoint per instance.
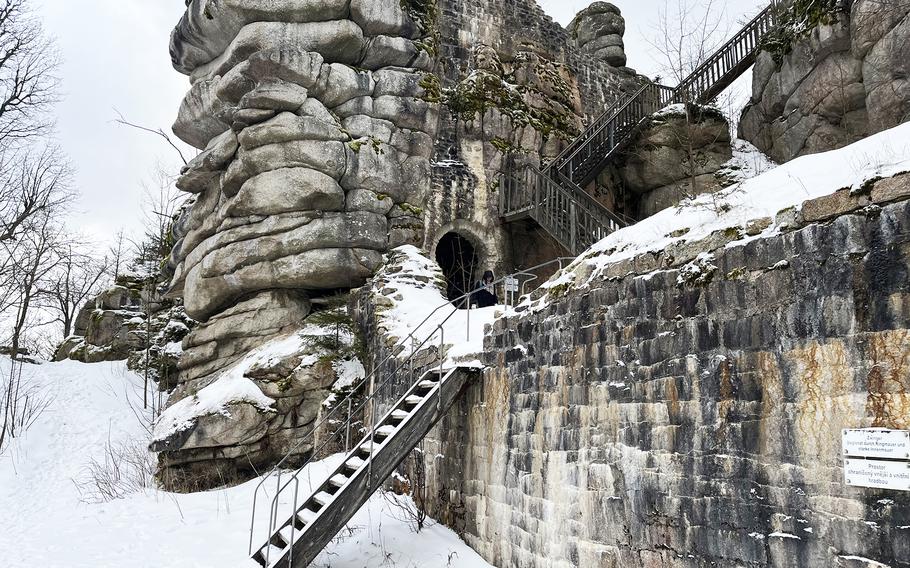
x,y
419,309
48,516
747,163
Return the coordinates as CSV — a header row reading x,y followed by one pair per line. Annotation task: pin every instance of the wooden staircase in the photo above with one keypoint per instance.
x,y
316,519
555,198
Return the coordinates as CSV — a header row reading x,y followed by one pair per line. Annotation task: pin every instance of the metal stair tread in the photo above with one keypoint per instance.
x,y
306,515
323,498
338,480
263,555
355,462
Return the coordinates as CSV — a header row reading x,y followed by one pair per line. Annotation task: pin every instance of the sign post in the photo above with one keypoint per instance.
x,y
511,285
877,458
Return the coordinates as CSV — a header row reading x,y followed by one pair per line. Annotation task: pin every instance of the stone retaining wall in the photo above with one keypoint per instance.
x,y
659,421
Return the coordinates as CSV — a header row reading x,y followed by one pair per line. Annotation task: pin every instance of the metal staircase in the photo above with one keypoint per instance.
x,y
314,523
555,198
300,518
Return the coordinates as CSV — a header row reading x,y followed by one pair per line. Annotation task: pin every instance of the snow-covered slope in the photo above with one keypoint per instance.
x,y
45,519
413,304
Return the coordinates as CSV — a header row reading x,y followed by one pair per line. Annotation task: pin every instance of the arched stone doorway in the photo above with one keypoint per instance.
x,y
460,261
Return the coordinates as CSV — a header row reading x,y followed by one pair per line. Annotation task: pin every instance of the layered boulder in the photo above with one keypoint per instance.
x,y
676,155
828,82
315,135
261,408
598,30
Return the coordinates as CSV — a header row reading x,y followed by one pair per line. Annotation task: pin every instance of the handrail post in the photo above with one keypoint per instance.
x,y
372,429
573,226
442,335
468,329
347,435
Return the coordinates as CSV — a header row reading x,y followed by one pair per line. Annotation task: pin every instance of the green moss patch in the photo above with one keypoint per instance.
x,y
796,21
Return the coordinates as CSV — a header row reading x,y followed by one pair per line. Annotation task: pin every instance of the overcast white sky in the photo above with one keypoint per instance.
x,y
116,57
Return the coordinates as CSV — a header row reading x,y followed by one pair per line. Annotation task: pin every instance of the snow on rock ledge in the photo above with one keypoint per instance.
x,y
259,409
408,294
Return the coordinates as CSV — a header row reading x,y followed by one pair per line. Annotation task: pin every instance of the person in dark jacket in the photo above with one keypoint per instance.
x,y
484,294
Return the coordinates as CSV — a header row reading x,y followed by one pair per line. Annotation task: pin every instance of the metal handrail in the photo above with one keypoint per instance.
x,y
574,166
744,44
277,470
589,131
616,113
575,219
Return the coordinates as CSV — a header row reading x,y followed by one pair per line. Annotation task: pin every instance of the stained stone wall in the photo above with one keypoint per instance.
x,y
843,80
658,421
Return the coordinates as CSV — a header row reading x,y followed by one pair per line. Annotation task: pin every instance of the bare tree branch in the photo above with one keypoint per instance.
x,y
156,131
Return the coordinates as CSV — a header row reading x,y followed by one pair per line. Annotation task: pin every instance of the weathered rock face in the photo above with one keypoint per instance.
x,y
261,408
107,328
334,130
316,135
598,30
655,419
676,156
845,80
515,87
117,324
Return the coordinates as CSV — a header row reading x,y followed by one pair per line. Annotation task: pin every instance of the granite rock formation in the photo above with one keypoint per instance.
x,y
598,30
332,131
107,328
316,138
836,82
676,156
130,321
295,377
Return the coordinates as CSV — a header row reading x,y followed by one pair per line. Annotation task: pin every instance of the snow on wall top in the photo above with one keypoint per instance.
x,y
787,186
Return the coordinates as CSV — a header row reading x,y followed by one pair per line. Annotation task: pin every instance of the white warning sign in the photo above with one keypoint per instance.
x,y
879,474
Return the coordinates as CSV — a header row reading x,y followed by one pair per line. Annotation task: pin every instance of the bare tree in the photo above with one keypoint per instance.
x,y
161,203
38,257
76,278
34,184
688,33
34,193
115,254
21,403
121,120
27,83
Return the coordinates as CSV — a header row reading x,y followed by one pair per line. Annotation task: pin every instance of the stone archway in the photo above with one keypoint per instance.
x,y
460,259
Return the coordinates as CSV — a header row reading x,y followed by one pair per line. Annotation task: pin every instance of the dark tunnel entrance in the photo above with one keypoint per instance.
x,y
459,262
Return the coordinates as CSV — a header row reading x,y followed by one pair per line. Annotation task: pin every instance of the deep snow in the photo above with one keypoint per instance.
x,y
45,522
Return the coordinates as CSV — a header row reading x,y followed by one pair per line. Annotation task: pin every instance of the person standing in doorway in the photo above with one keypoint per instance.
x,y
484,294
